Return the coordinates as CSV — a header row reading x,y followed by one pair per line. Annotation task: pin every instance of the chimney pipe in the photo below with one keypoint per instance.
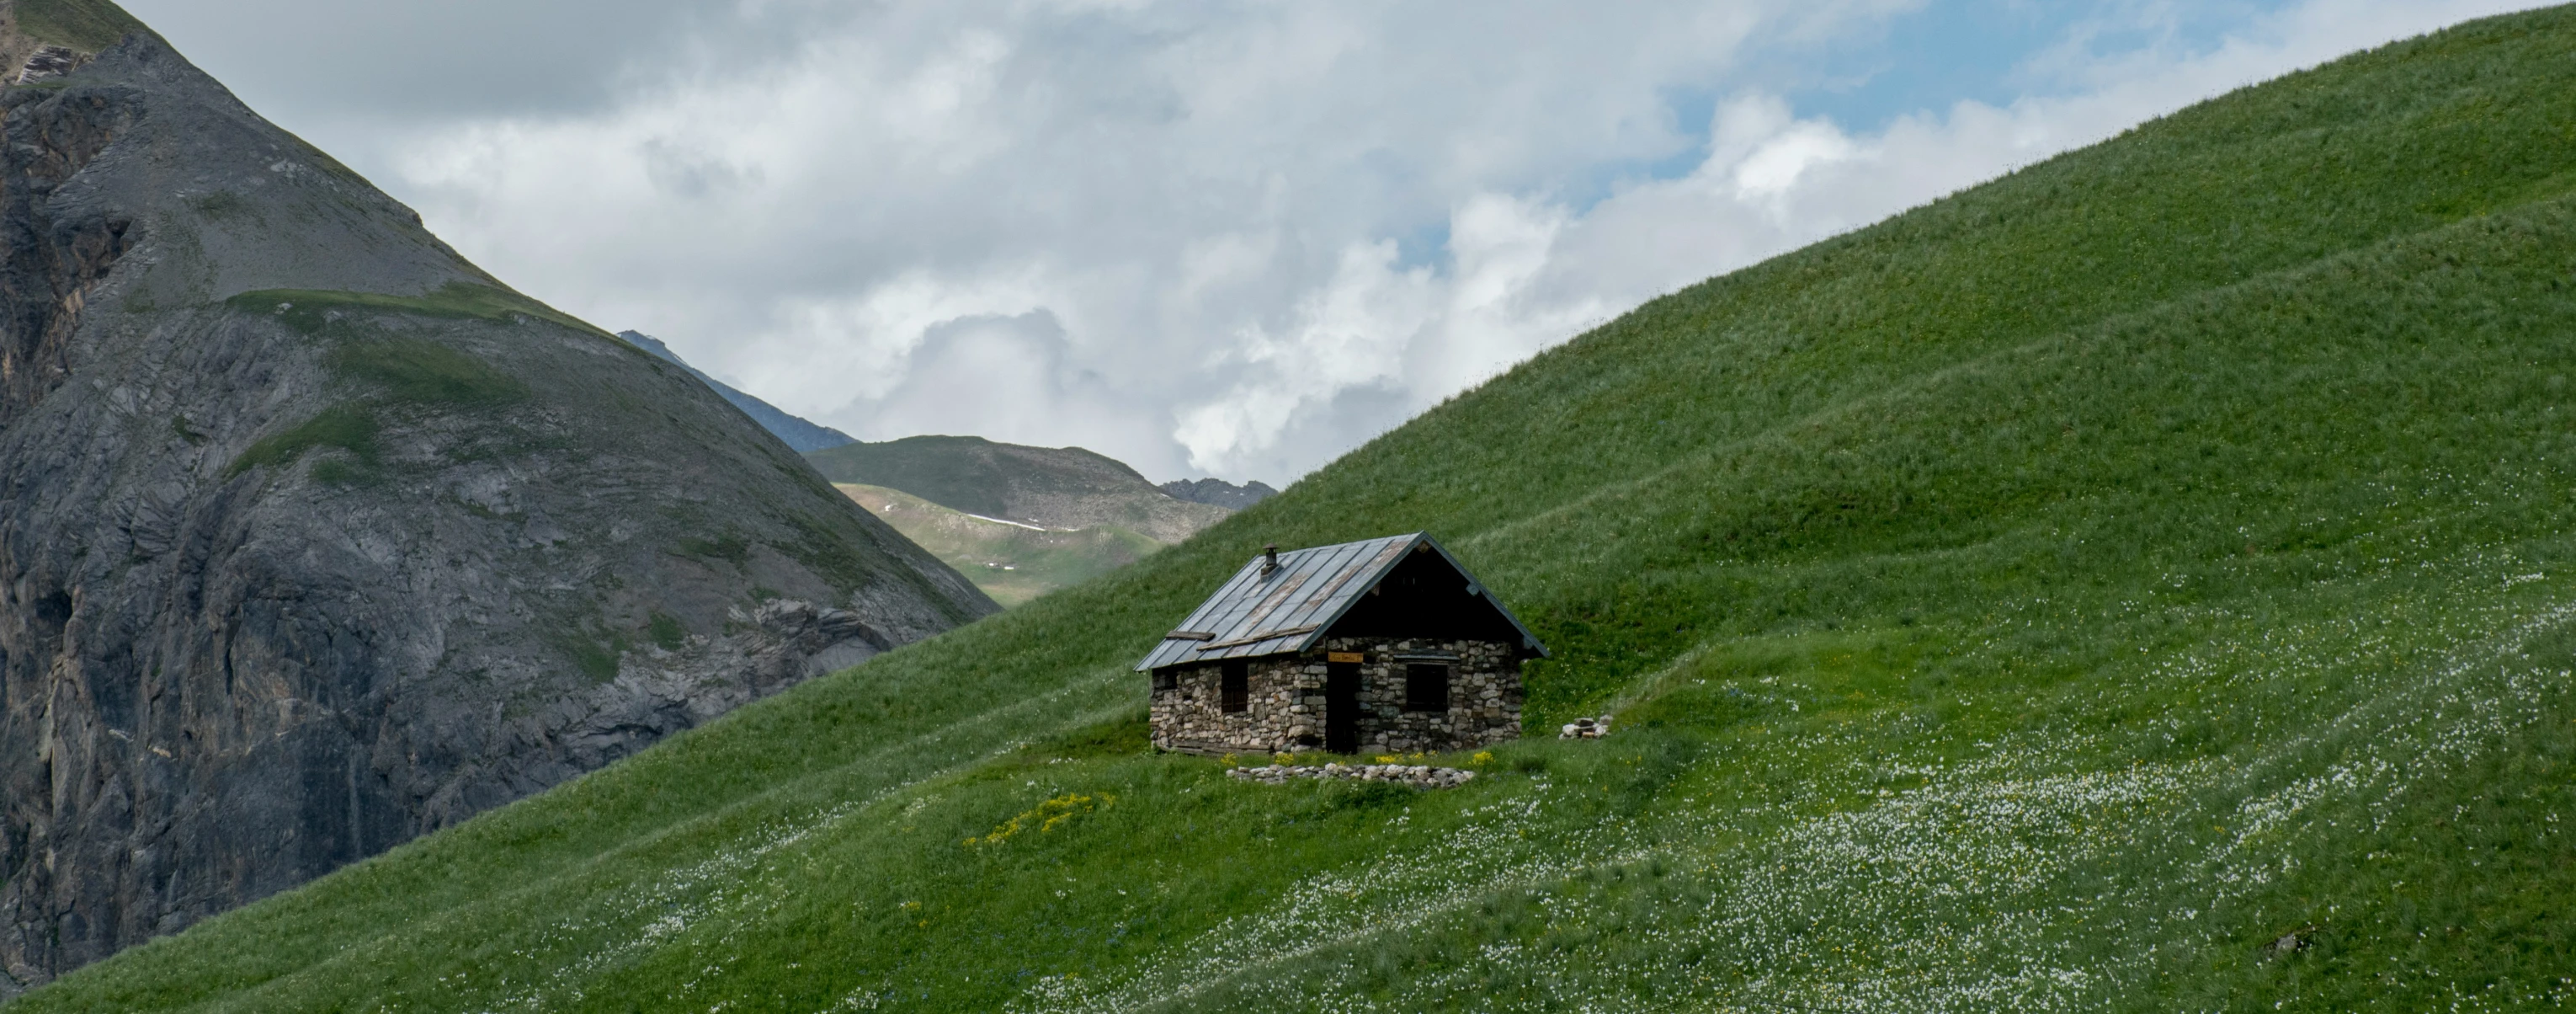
x,y
1269,559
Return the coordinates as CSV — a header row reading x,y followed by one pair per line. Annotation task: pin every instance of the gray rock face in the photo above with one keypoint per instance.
x,y
315,538
48,63
1219,492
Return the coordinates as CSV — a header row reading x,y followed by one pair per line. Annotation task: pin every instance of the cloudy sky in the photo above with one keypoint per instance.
x,y
1225,237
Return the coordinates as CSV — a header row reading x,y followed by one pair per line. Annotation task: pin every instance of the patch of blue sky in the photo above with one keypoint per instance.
x,y
1996,51
1924,61
1424,245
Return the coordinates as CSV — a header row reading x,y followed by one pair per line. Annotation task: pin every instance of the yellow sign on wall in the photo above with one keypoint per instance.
x,y
1344,656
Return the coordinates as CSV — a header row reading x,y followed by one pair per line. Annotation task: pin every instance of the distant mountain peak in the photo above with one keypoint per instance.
x,y
1052,487
1219,492
800,434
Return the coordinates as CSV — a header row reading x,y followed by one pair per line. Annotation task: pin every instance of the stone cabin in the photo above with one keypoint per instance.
x,y
1383,645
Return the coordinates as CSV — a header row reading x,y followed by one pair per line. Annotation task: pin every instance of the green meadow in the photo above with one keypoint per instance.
x,y
2143,582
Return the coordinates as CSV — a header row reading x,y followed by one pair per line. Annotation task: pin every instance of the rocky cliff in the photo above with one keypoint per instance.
x,y
1219,492
314,537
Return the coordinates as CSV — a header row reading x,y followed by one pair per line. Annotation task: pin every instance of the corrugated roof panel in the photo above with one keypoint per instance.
x,y
1204,619
1275,603
1336,584
1289,609
1214,618
1255,601
1291,605
1315,575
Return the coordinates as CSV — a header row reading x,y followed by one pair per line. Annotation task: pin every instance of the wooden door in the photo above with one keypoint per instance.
x,y
1342,707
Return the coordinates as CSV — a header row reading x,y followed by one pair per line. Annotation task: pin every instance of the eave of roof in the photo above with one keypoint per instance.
x,y
1290,609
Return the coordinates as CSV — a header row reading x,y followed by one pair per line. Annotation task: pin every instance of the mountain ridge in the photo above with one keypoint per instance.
x,y
800,434
320,538
1049,518
1011,561
1060,487
806,437
1219,492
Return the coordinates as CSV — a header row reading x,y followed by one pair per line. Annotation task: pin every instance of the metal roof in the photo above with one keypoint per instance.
x,y
1289,609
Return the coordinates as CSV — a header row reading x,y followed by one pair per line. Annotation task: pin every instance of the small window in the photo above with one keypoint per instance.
x,y
1426,688
1238,686
1164,680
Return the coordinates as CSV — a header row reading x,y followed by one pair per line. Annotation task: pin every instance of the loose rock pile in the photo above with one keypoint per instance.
x,y
1422,775
1585,728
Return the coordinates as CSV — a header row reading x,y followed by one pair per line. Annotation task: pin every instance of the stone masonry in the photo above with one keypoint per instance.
x,y
1285,700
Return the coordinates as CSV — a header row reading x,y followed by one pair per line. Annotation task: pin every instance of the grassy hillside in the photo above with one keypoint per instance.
x,y
85,25
2141,583
1011,562
1052,487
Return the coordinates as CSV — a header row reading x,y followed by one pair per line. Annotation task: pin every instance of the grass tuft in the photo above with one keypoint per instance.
x,y
350,426
426,372
88,26
729,547
666,632
317,312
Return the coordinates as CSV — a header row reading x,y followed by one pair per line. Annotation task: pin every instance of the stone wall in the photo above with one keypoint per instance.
x,y
1285,700
1484,694
1190,715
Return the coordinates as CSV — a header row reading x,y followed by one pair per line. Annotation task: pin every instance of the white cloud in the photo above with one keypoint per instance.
x,y
1770,182
1211,205
1231,238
